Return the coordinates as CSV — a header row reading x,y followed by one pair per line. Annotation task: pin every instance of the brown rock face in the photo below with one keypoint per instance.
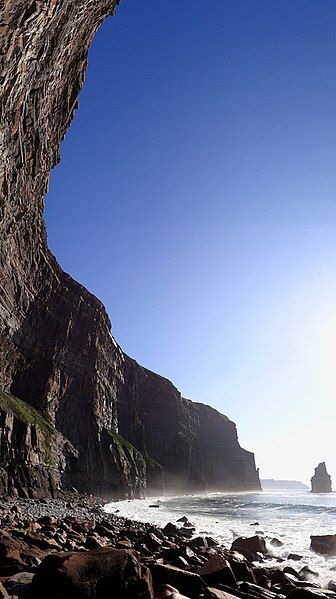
x,y
95,574
57,353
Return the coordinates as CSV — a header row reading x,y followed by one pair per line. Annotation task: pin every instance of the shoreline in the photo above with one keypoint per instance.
x,y
78,527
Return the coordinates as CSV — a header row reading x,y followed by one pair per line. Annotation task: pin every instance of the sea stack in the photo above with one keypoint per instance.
x,y
321,481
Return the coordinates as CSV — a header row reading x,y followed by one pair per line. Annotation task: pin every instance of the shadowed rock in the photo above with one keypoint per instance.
x,y
321,481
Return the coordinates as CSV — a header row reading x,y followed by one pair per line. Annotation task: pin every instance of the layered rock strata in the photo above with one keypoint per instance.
x,y
57,353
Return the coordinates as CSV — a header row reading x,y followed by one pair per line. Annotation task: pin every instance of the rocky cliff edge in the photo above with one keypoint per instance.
x,y
75,410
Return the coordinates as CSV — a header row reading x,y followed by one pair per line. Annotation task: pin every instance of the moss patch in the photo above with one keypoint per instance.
x,y
121,441
26,413
130,449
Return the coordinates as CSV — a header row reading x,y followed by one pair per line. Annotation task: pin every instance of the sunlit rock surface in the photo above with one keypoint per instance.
x,y
57,353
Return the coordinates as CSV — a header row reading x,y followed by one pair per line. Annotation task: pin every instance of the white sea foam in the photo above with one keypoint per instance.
x,y
290,517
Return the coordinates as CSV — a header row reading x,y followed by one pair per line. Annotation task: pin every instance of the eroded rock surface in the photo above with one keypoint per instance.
x,y
57,353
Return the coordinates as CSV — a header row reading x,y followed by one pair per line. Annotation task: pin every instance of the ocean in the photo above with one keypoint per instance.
x,y
291,517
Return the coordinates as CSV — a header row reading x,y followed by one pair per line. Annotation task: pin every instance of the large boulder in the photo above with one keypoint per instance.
x,y
95,574
324,544
187,583
249,546
16,555
321,481
217,570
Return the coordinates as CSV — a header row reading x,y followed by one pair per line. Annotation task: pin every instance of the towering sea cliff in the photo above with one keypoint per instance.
x,y
74,409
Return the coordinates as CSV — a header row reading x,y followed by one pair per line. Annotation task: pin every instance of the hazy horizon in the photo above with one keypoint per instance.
x,y
196,199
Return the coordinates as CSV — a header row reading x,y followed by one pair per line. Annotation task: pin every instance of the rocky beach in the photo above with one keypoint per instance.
x,y
70,547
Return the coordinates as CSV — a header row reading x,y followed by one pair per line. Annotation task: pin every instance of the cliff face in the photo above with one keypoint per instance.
x,y
57,353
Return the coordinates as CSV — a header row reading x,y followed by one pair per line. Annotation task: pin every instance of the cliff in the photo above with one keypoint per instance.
x,y
57,353
321,481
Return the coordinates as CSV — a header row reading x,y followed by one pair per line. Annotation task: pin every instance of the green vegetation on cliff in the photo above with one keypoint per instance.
x,y
130,450
29,415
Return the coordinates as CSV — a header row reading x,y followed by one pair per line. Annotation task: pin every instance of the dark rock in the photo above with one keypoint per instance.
x,y
289,570
187,583
295,557
211,542
187,533
93,542
198,542
92,574
321,481
46,521
249,546
19,585
56,346
261,576
306,573
253,590
217,570
242,571
324,544
152,542
304,593
41,542
184,519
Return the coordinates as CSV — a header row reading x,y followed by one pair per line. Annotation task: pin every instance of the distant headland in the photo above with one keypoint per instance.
x,y
291,485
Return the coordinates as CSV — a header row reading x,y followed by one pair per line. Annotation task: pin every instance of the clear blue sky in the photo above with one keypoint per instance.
x,y
197,198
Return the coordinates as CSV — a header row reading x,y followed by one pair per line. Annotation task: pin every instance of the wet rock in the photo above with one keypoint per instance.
x,y
261,576
306,573
184,519
198,542
92,574
289,570
211,542
187,533
324,544
217,570
249,546
295,557
170,530
276,543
